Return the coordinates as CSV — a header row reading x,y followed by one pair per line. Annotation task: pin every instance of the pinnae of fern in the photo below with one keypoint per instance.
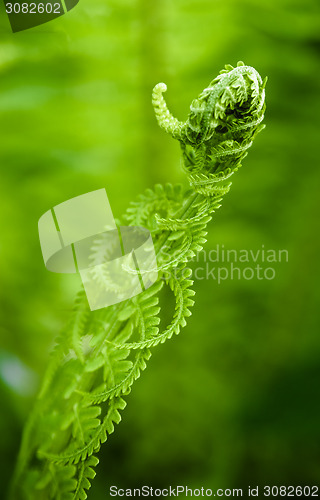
x,y
100,354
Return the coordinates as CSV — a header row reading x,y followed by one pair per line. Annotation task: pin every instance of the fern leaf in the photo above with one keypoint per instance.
x,y
105,392
182,292
86,474
73,453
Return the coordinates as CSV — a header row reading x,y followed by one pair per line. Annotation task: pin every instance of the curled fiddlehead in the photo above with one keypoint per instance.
x,y
220,128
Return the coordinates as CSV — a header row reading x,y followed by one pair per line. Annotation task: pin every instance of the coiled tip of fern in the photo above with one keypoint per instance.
x,y
234,99
163,115
221,125
160,87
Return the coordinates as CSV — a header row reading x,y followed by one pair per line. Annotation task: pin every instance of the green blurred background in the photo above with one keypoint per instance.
x,y
234,400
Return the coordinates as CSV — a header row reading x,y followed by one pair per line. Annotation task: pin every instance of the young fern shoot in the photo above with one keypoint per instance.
x,y
101,353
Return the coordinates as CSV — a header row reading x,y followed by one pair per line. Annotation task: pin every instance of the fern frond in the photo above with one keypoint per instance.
x,y
85,475
69,338
105,392
58,482
100,354
180,285
161,199
79,323
92,440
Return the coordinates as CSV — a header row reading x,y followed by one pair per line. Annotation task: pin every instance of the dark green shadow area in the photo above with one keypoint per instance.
x,y
71,3
24,15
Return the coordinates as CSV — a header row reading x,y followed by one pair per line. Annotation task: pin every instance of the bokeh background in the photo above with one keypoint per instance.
x,y
234,400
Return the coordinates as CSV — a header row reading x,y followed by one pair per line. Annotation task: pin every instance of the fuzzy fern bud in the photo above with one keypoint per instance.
x,y
220,128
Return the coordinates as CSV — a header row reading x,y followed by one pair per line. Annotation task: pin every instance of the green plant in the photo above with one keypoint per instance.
x,y
100,354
